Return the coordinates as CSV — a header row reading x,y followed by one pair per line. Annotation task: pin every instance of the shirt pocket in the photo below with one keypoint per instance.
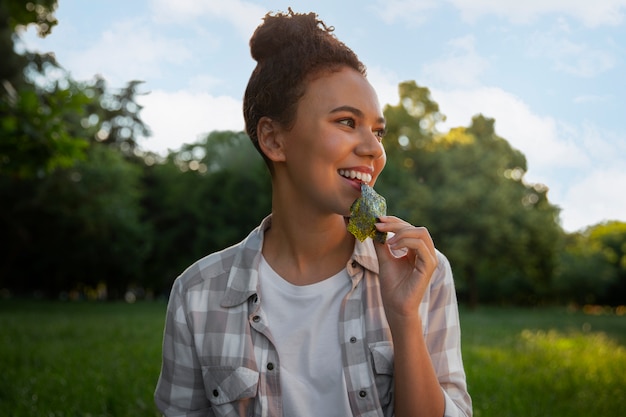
x,y
382,363
229,384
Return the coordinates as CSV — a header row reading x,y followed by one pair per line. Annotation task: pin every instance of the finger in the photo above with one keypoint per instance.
x,y
418,245
402,236
395,225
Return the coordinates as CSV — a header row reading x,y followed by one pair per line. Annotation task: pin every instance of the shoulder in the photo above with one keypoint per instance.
x,y
215,271
214,266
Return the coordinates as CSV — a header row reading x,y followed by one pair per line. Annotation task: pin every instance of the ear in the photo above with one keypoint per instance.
x,y
270,139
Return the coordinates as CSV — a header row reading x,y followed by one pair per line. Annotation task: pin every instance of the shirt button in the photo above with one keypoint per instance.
x,y
256,319
362,394
270,366
216,393
353,339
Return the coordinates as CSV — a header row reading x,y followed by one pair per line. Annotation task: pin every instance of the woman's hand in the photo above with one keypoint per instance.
x,y
407,262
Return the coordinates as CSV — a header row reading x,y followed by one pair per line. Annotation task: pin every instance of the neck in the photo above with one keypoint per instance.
x,y
305,250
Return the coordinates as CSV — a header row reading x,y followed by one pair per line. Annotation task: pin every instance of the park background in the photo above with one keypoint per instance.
x,y
102,226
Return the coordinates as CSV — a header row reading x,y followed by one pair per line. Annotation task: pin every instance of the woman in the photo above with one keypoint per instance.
x,y
300,318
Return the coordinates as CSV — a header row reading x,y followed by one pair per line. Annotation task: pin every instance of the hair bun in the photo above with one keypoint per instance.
x,y
282,31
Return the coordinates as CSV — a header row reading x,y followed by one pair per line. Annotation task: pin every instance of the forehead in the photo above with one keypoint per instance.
x,y
328,89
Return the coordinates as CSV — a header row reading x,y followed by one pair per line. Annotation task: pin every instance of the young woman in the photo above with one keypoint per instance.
x,y
300,318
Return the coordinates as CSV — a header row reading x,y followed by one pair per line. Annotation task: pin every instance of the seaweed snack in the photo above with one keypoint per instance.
x,y
364,214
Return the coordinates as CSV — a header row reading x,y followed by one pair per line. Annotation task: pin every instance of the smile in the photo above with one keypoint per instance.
x,y
356,175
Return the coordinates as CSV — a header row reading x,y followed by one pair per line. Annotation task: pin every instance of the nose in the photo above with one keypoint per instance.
x,y
370,145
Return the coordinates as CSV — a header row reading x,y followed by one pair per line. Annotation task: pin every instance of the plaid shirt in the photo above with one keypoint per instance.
x,y
219,358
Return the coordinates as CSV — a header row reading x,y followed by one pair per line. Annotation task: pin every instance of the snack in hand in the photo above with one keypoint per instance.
x,y
364,214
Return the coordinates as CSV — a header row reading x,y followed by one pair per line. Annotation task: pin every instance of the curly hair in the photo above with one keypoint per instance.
x,y
289,48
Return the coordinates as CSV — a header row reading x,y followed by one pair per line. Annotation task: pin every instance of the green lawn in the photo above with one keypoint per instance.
x,y
545,362
102,359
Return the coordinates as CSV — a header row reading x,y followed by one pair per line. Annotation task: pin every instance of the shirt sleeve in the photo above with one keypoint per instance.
x,y
180,389
443,338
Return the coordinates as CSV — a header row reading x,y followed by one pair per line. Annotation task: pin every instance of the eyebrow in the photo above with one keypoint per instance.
x,y
356,112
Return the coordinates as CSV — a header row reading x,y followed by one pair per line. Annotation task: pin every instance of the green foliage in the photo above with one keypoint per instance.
x,y
17,13
36,135
593,266
14,15
202,199
83,206
113,116
467,187
32,126
78,226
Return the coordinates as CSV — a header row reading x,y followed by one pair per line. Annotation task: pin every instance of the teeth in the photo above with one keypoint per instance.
x,y
361,176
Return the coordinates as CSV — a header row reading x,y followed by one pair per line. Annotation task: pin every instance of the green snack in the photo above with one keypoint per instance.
x,y
364,214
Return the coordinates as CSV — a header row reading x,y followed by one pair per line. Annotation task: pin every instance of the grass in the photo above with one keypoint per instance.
x,y
545,362
79,359
103,359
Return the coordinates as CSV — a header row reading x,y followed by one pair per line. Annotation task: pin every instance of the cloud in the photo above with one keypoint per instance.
x,y
542,139
385,82
244,16
582,164
591,98
461,66
183,116
604,147
590,13
413,11
141,58
595,198
574,58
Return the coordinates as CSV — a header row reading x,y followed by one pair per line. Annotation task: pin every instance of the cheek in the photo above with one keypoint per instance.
x,y
380,163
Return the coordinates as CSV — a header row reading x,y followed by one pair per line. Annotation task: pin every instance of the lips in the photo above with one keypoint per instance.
x,y
363,177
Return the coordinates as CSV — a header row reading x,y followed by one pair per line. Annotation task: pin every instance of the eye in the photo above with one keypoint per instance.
x,y
348,122
380,133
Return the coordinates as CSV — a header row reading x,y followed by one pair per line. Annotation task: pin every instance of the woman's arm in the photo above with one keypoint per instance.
x,y
421,308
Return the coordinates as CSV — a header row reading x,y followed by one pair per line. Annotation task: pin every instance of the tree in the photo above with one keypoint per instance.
x,y
35,140
15,15
201,199
68,171
76,227
592,266
467,187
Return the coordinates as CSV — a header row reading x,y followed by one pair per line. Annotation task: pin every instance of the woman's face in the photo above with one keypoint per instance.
x,y
335,142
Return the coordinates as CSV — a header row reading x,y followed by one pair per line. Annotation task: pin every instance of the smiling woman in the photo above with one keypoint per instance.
x,y
301,318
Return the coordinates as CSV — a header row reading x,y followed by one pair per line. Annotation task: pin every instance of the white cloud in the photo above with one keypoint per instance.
x,y
461,66
143,53
596,198
539,138
605,148
181,117
590,13
413,11
583,165
578,59
385,82
591,98
245,16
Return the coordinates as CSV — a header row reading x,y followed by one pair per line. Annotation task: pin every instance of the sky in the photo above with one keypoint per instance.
x,y
552,73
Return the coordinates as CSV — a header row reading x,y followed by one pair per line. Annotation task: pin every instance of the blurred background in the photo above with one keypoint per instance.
x,y
111,186
123,160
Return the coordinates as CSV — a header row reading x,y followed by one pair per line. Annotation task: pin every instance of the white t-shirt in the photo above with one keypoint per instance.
x,y
304,321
